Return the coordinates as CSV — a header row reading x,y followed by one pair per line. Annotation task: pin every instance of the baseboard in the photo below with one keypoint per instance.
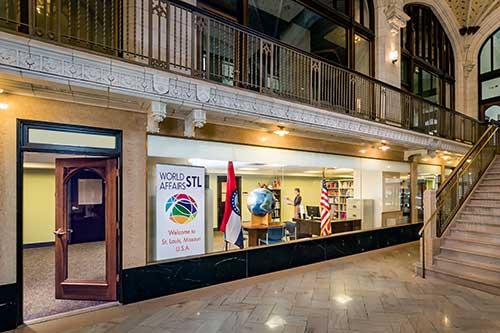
x,y
36,245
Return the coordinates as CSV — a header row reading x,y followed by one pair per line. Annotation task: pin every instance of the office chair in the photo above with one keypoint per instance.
x,y
274,235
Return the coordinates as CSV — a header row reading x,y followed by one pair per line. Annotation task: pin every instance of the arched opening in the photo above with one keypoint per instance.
x,y
428,63
489,76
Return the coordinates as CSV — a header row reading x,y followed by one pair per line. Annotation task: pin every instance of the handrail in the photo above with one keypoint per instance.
x,y
457,169
456,190
461,163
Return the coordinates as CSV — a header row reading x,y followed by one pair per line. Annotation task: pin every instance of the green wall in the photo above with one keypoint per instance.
x,y
38,206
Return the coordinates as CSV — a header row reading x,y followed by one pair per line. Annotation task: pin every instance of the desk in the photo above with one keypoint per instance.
x,y
308,227
256,231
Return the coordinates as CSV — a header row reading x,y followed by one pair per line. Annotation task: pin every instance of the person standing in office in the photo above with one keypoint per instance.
x,y
297,201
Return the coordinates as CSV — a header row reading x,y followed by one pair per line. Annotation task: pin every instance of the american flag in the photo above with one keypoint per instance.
x,y
326,227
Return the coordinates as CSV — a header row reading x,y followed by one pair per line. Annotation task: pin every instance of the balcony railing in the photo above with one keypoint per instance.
x,y
177,37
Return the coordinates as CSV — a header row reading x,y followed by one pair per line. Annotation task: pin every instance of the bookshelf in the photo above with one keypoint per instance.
x,y
339,190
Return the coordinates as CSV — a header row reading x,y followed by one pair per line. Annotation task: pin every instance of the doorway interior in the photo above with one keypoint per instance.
x,y
69,223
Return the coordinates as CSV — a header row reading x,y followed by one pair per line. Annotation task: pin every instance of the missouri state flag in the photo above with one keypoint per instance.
x,y
231,222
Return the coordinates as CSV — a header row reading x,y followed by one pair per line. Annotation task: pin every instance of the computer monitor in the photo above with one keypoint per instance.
x,y
313,211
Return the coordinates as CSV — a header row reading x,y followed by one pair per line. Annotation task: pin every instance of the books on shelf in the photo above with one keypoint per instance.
x,y
339,190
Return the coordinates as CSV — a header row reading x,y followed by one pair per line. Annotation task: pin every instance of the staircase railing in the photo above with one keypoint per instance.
x,y
456,189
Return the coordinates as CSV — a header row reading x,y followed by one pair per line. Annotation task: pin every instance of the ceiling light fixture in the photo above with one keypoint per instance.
x,y
281,131
384,147
1,91
425,159
363,151
4,106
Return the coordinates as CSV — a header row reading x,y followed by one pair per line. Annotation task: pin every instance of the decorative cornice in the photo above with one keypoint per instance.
x,y
395,15
60,65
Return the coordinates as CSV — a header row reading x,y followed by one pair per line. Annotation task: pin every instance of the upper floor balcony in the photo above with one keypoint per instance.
x,y
176,37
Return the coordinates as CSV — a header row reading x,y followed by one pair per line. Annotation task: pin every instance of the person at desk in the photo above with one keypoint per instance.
x,y
297,201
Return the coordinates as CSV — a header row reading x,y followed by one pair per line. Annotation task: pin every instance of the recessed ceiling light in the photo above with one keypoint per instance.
x,y
425,159
446,158
263,139
4,106
449,162
1,91
363,151
281,131
384,147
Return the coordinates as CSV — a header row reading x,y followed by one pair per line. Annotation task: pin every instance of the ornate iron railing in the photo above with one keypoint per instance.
x,y
177,37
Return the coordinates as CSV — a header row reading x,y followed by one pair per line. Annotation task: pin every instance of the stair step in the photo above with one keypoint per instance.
x,y
487,203
490,181
467,279
475,264
462,247
475,236
479,217
481,210
479,195
482,227
472,244
472,256
460,268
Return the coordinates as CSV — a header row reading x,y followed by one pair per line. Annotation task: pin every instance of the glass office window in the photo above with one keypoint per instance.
x,y
362,55
358,190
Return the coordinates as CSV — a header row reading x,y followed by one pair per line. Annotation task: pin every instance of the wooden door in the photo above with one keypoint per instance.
x,y
86,229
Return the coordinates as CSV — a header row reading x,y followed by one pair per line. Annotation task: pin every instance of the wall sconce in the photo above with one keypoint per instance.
x,y
394,55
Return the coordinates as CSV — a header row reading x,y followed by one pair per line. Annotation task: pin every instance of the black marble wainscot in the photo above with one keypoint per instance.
x,y
167,278
8,307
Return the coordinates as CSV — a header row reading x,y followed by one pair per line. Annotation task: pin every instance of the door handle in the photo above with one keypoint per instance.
x,y
59,232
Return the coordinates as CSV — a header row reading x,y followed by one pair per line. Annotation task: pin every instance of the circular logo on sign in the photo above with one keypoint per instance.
x,y
181,208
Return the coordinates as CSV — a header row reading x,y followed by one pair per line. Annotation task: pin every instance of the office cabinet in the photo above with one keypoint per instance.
x,y
361,209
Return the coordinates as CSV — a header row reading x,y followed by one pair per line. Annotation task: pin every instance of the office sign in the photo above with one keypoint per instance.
x,y
180,211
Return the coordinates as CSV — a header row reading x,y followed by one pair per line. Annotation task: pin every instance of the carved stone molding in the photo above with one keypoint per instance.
x,y
196,119
395,15
156,114
47,62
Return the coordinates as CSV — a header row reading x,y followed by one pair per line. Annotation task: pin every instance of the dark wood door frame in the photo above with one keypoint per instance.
x,y
86,289
23,146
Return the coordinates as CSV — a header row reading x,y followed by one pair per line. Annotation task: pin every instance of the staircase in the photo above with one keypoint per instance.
x,y
470,248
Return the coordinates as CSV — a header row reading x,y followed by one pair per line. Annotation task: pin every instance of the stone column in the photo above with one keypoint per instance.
x,y
390,18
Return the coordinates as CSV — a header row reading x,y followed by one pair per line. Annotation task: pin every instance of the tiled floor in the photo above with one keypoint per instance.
x,y
374,292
